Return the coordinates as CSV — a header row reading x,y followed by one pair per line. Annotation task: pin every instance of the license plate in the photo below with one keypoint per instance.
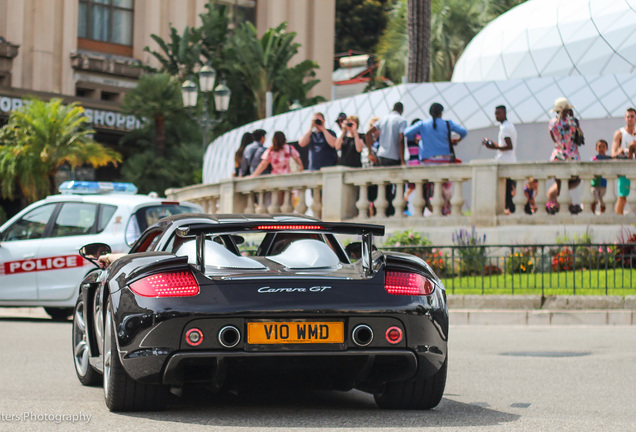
x,y
297,332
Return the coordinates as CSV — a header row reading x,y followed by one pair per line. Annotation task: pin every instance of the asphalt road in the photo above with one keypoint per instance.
x,y
504,378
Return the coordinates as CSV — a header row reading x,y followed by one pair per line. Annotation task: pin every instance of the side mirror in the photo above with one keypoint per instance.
x,y
238,240
93,251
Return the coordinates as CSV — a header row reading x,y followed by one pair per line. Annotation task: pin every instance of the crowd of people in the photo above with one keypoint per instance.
x,y
391,141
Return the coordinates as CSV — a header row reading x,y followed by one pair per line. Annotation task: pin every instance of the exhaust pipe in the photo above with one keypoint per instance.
x,y
229,336
362,335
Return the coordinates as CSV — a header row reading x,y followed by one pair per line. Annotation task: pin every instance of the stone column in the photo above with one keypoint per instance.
x,y
484,194
341,196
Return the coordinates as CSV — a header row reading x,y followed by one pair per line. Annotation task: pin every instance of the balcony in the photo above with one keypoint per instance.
x,y
477,198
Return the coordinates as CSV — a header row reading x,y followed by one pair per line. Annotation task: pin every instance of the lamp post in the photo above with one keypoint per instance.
x,y
295,105
190,94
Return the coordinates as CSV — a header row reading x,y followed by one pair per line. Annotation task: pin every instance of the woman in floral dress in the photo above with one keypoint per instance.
x,y
562,131
278,155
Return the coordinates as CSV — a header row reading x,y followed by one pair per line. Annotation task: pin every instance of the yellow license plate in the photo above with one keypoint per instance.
x,y
300,332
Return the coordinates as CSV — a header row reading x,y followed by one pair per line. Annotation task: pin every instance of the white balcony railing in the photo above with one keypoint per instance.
x,y
478,189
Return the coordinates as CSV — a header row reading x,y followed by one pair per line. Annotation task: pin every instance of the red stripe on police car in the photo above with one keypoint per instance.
x,y
43,264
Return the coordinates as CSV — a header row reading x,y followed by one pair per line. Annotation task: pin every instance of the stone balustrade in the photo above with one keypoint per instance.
x,y
477,193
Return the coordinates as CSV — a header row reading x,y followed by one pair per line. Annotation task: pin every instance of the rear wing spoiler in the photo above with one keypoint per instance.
x,y
366,231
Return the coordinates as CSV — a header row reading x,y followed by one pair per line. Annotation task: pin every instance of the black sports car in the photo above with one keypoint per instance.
x,y
229,300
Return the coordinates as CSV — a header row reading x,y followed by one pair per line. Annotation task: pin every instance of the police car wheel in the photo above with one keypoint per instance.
x,y
81,349
121,392
59,314
417,393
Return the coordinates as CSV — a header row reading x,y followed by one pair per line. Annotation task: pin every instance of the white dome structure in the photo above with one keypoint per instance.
x,y
553,38
584,50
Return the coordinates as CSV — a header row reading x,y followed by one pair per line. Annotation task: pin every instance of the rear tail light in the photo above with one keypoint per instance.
x,y
171,284
288,227
402,283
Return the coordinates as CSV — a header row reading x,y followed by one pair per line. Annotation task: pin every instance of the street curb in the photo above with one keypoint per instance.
x,y
23,312
541,317
525,302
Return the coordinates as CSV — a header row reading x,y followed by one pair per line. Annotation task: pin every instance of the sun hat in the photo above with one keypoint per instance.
x,y
560,104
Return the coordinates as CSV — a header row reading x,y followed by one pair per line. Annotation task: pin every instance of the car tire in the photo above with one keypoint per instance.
x,y
59,314
417,393
81,349
121,392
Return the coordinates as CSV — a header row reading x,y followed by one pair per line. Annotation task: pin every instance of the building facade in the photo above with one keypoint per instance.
x,y
89,50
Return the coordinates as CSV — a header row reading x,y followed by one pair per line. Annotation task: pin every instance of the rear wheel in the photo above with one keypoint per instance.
x,y
81,350
121,392
418,393
59,314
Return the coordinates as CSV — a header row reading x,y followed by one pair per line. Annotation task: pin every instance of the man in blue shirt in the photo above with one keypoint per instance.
x,y
435,135
435,147
321,142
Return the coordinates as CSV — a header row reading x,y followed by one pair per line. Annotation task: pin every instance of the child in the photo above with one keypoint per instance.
x,y
599,184
530,191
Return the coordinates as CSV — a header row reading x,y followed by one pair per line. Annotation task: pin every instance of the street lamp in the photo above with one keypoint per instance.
x,y
295,105
190,92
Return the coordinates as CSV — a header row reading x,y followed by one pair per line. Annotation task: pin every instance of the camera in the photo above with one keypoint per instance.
x,y
349,124
486,142
318,122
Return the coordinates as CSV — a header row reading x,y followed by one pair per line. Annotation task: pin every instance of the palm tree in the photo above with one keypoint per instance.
x,y
38,139
453,23
419,30
179,57
155,96
262,63
448,39
392,49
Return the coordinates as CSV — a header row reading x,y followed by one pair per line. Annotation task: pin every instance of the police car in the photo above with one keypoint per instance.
x,y
39,260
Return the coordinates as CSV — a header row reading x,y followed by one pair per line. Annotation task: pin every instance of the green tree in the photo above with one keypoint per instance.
x,y
359,24
448,39
38,139
453,24
216,51
263,63
392,49
166,151
155,97
180,56
179,168
250,66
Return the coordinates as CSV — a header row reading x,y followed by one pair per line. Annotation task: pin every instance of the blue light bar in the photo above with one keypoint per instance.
x,y
91,187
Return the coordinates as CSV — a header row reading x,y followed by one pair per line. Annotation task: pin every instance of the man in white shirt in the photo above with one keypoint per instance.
x,y
506,150
391,128
391,150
